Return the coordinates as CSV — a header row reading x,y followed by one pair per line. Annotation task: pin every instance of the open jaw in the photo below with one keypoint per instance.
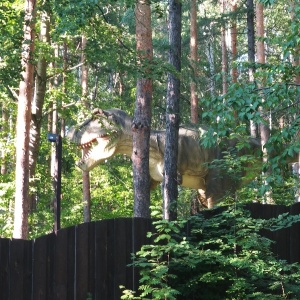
x,y
97,150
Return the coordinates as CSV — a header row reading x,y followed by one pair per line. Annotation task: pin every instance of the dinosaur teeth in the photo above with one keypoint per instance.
x,y
88,144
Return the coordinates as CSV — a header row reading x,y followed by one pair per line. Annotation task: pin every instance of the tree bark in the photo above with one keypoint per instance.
x,y
86,193
37,105
210,58
172,113
194,61
224,53
263,126
260,29
234,71
23,125
142,114
251,38
4,137
296,62
251,54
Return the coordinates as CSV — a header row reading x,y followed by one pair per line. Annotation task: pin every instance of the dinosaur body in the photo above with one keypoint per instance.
x,y
108,132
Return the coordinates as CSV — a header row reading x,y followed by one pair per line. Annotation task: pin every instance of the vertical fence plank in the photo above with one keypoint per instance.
x,y
4,268
129,284
20,276
40,268
140,228
84,260
281,236
294,246
101,269
267,212
64,264
82,238
43,254
110,259
91,251
121,257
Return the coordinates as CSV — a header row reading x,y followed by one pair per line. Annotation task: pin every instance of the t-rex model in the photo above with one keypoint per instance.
x,y
108,132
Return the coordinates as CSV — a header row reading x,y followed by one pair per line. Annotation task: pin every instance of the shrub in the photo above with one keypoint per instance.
x,y
222,256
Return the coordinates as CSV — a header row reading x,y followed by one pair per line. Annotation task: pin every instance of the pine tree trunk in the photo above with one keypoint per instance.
x,y
251,53
23,125
296,62
37,105
210,58
4,137
170,184
85,174
194,62
224,53
234,71
264,128
142,114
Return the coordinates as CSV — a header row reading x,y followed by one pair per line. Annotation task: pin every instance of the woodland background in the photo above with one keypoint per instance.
x,y
85,57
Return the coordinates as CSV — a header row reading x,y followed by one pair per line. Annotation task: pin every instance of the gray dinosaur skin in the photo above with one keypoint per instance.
x,y
108,133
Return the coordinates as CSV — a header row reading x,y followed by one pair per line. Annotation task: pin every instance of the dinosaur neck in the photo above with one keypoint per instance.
x,y
125,144
156,144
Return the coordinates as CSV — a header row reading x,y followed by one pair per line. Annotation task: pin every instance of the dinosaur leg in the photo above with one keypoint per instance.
x,y
204,200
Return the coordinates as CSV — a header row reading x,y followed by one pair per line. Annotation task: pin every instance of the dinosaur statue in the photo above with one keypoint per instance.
x,y
108,132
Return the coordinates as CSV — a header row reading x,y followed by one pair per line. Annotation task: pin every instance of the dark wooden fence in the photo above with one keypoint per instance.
x,y
89,261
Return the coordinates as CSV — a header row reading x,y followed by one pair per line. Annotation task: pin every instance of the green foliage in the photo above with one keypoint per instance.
x,y
10,39
6,207
221,256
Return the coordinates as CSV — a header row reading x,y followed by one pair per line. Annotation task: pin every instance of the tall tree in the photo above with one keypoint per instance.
x,y
264,128
38,102
23,124
194,61
170,184
296,63
251,53
85,174
142,114
224,52
3,136
234,71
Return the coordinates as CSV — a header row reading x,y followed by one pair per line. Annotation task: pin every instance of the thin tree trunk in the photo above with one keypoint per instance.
x,y
23,125
193,85
224,53
4,137
64,84
234,71
296,62
251,53
263,126
172,113
37,105
142,114
85,174
194,61
260,29
210,57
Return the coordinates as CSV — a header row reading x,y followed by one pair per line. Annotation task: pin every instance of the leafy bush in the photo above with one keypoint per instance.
x,y
215,257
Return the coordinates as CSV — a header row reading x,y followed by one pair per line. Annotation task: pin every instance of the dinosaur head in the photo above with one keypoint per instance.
x,y
99,135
